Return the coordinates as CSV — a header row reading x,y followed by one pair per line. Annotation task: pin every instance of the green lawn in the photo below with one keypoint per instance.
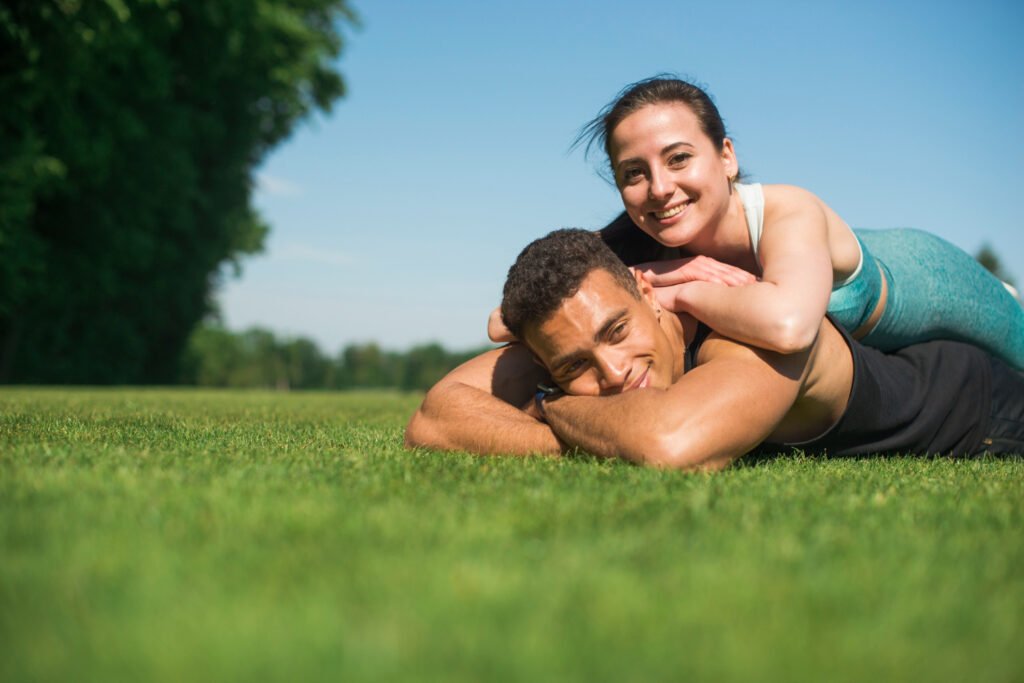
x,y
172,535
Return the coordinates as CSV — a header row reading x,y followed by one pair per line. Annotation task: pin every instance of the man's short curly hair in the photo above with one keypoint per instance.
x,y
550,270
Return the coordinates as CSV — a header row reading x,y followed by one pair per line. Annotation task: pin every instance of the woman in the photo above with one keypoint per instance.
x,y
676,171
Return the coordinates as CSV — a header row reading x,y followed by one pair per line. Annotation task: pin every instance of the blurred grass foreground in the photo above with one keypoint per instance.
x,y
168,535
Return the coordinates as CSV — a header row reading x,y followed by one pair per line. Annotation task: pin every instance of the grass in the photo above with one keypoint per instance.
x,y
168,535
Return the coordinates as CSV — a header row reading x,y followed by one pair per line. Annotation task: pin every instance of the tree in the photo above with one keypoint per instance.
x,y
212,358
367,366
128,137
986,256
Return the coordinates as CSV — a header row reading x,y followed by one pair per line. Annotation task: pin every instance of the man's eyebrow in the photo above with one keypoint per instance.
x,y
664,150
609,323
601,333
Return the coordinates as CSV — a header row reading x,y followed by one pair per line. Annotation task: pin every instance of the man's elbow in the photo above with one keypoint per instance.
x,y
424,429
672,452
418,433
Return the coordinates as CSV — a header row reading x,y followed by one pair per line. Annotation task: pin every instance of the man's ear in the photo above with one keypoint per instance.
x,y
646,289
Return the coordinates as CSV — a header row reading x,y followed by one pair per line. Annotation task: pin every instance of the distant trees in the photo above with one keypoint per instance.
x,y
129,130
987,257
216,357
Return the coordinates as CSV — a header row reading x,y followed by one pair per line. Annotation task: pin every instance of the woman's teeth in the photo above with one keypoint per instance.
x,y
669,212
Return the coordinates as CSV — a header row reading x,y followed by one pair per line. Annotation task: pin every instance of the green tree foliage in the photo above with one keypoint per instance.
x,y
366,365
216,357
129,132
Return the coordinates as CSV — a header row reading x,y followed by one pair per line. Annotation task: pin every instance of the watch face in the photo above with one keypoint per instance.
x,y
547,389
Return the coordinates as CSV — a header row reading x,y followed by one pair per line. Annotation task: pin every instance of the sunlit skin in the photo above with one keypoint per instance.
x,y
603,341
675,184
620,359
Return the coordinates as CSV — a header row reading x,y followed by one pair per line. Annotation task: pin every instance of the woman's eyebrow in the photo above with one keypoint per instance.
x,y
664,150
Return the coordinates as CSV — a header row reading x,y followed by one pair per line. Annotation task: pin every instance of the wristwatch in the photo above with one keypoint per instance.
x,y
543,392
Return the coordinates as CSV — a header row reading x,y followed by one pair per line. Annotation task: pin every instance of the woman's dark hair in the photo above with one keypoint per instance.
x,y
660,89
550,270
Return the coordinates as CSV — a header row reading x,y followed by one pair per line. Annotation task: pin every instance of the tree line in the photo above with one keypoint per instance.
x,y
217,357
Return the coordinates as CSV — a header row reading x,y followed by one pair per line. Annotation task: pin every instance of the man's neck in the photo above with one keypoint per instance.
x,y
681,328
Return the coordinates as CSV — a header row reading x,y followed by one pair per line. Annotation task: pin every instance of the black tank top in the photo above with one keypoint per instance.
x,y
930,398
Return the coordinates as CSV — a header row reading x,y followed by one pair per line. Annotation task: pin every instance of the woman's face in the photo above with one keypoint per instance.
x,y
673,181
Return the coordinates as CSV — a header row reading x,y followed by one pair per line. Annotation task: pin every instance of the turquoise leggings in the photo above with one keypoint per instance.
x,y
936,291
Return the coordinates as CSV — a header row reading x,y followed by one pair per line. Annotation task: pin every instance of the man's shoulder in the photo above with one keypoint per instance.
x,y
826,364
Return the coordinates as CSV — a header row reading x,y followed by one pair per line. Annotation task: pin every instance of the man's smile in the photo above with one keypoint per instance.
x,y
642,381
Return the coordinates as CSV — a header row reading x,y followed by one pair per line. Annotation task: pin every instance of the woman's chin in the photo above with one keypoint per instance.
x,y
670,236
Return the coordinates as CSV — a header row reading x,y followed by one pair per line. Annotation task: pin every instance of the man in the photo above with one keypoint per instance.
x,y
644,384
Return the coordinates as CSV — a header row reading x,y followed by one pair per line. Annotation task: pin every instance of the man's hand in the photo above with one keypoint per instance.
x,y
485,406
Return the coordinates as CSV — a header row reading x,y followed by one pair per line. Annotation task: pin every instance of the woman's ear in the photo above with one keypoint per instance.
x,y
729,160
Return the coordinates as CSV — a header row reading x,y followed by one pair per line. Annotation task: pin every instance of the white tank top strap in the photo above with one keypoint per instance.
x,y
752,198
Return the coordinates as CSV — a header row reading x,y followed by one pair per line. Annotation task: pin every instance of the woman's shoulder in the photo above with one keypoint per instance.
x,y
785,200
798,206
788,195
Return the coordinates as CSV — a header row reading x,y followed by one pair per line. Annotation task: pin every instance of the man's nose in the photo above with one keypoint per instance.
x,y
613,373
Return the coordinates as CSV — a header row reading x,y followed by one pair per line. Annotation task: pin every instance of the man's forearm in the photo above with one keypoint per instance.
x,y
461,417
704,421
607,427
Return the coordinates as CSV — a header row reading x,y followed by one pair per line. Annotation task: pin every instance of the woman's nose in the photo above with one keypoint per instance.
x,y
660,186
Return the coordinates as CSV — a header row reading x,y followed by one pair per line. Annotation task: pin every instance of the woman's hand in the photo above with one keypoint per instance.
x,y
496,330
694,269
671,277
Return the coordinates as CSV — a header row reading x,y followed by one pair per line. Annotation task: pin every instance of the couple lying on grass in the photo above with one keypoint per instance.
x,y
761,266
620,376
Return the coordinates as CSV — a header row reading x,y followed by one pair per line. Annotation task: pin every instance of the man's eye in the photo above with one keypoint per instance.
x,y
618,332
572,368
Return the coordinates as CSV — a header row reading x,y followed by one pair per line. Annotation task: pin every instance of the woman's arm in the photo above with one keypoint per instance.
x,y
660,274
496,330
475,408
783,311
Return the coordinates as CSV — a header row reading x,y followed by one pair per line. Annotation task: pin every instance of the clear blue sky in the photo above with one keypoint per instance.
x,y
395,218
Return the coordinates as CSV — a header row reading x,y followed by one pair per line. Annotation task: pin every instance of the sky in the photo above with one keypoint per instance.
x,y
395,217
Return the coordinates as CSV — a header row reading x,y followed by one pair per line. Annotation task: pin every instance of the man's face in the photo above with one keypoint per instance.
x,y
604,341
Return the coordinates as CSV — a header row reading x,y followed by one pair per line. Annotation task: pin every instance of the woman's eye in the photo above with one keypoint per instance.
x,y
679,159
631,175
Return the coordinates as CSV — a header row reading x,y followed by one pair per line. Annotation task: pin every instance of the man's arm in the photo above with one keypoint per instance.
x,y
477,408
715,413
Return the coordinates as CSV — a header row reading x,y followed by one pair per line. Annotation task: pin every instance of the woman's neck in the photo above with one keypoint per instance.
x,y
729,241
